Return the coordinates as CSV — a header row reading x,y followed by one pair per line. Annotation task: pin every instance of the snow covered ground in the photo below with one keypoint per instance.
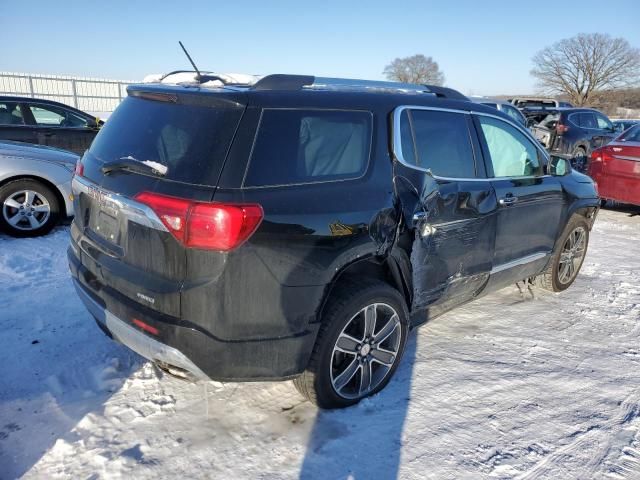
x,y
507,387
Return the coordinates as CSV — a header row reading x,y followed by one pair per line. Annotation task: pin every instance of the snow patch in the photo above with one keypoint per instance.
x,y
505,387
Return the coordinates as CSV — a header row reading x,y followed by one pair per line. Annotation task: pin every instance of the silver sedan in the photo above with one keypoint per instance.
x,y
35,187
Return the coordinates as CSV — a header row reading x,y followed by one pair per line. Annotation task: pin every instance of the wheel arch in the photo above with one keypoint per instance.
x,y
393,269
583,145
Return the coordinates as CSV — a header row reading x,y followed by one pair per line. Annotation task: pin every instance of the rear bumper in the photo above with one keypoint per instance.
x,y
137,341
182,345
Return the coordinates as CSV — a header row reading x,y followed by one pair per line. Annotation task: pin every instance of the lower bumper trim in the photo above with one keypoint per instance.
x,y
137,341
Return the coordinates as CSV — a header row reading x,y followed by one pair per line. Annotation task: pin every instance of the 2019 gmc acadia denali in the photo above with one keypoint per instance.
x,y
299,227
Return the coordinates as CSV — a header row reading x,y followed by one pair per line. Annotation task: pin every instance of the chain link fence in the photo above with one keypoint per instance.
x,y
92,95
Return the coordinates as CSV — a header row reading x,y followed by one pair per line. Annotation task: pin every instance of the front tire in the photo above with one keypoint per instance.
x,y
567,257
359,345
28,208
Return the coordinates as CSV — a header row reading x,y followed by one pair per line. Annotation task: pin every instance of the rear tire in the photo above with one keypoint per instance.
x,y
359,345
567,257
28,208
579,159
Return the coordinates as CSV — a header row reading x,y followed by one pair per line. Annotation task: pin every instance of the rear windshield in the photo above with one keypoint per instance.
x,y
190,140
631,135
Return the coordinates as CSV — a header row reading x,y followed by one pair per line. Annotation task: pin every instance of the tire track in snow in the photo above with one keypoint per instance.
x,y
597,438
627,465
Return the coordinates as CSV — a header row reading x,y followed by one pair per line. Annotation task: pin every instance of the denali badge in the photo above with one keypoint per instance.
x,y
146,298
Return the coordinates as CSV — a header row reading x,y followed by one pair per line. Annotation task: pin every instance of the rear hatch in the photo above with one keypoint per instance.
x,y
179,139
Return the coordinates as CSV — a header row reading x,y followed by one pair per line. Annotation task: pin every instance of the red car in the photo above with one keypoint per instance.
x,y
616,168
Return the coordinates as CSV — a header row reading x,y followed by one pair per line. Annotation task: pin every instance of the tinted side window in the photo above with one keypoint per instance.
x,y
406,137
512,153
305,146
10,114
443,143
574,118
587,120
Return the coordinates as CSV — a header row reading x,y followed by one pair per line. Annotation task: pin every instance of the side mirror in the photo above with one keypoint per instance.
x,y
94,123
558,166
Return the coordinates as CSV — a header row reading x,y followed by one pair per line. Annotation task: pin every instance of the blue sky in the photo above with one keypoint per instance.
x,y
482,47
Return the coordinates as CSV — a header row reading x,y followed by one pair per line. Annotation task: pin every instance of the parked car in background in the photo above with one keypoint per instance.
x,y
621,125
35,187
616,168
538,102
570,132
502,105
299,227
46,122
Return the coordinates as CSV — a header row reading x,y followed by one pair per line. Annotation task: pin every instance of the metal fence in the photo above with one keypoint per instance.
x,y
88,94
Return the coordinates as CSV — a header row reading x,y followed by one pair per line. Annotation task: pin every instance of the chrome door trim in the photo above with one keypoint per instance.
x,y
518,262
396,141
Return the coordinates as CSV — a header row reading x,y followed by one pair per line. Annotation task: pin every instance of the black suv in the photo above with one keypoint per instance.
x,y
572,133
45,122
299,227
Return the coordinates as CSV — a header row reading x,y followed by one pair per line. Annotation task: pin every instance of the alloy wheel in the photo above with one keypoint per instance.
x,y
572,254
26,210
365,350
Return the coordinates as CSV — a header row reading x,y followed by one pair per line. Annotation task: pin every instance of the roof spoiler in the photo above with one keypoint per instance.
x,y
281,81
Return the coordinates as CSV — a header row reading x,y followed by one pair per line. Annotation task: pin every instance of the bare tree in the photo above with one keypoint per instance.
x,y
582,66
415,69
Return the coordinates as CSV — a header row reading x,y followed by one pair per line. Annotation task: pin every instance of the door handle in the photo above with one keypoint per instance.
x,y
508,200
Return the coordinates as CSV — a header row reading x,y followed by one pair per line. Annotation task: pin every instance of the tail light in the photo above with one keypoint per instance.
x,y
601,155
206,225
598,160
79,170
561,128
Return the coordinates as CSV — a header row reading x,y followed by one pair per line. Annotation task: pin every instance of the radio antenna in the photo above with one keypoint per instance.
x,y
199,77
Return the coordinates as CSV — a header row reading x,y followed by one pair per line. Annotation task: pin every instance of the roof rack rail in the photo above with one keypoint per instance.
x,y
299,82
446,92
201,78
204,76
324,83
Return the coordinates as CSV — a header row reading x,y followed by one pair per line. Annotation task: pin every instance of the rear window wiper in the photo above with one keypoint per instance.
x,y
131,164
